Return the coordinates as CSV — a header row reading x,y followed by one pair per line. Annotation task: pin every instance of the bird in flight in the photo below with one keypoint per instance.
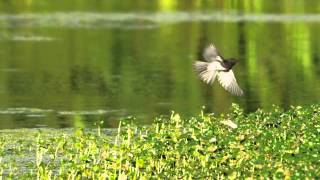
x,y
217,66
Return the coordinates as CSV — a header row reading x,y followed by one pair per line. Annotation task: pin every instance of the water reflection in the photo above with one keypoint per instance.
x,y
78,68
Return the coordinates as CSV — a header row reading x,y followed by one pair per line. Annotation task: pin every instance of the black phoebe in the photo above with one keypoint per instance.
x,y
216,65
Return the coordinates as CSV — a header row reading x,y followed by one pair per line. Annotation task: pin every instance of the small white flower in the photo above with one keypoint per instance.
x,y
212,140
230,124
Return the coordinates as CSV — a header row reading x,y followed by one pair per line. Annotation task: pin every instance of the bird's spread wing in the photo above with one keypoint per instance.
x,y
206,71
229,82
211,54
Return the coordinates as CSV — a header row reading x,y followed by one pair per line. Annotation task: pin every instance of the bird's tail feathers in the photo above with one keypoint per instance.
x,y
200,66
206,75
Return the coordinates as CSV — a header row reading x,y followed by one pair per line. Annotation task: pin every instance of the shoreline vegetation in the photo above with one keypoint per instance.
x,y
273,144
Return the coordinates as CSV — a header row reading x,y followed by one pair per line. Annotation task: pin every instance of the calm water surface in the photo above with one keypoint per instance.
x,y
74,63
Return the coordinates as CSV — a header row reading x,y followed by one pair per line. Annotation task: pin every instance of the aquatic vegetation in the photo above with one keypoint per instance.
x,y
275,144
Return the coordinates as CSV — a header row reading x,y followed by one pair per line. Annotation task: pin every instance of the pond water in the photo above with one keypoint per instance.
x,y
72,63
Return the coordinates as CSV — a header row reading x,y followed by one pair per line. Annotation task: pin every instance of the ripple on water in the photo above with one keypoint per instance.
x,y
39,113
140,20
33,38
14,70
24,110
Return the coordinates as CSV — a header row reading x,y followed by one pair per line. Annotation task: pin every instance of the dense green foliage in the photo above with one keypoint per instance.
x,y
269,144
135,57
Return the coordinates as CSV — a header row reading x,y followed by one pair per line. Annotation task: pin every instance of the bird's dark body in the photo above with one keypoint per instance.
x,y
228,64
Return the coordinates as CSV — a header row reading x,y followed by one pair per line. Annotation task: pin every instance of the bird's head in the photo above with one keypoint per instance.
x,y
229,63
233,60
